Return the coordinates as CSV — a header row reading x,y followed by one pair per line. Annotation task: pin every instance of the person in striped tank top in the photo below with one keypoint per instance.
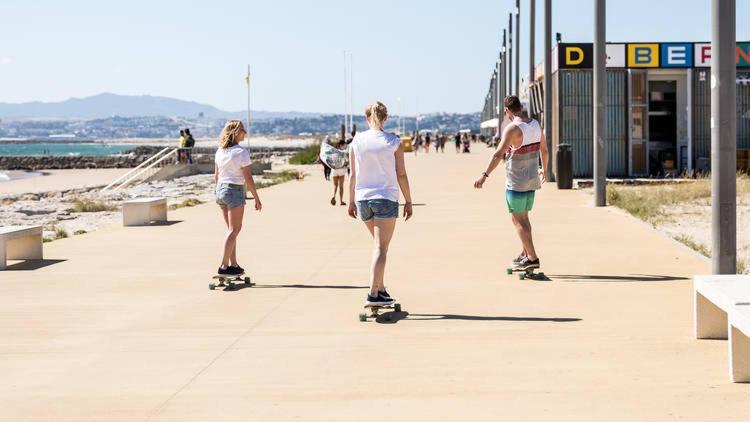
x,y
521,145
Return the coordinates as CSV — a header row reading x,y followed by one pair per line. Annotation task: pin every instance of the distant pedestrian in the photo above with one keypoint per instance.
x,y
231,174
181,145
457,141
338,178
442,144
189,144
466,143
378,172
427,141
417,143
437,143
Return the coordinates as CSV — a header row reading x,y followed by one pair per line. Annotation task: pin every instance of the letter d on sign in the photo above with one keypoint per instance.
x,y
569,60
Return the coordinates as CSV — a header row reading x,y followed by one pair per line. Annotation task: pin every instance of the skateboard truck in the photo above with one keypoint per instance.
x,y
375,309
524,273
228,281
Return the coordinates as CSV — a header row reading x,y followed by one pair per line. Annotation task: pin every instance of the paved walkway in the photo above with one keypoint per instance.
x,y
124,326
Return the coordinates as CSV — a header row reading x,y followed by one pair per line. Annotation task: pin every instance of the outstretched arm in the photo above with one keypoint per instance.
x,y
498,156
403,181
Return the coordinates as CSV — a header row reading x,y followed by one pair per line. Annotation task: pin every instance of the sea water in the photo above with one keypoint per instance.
x,y
61,148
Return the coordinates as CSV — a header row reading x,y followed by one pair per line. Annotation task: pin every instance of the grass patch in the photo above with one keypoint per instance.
x,y
60,233
190,202
692,244
271,179
87,205
703,250
79,232
308,155
647,202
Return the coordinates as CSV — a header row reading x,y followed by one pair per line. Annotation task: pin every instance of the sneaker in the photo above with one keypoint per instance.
x,y
385,294
228,271
379,300
237,268
333,201
527,264
518,259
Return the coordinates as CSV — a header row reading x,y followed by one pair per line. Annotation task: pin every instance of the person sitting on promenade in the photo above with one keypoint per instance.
x,y
231,174
377,172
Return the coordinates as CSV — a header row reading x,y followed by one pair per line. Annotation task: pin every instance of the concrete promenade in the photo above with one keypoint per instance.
x,y
119,324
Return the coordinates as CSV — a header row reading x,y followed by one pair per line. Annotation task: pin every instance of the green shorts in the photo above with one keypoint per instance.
x,y
519,201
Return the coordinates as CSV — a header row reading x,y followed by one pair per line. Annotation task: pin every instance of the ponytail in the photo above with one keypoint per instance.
x,y
377,113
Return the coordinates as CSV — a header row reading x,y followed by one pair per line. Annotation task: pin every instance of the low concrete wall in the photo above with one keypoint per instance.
x,y
173,171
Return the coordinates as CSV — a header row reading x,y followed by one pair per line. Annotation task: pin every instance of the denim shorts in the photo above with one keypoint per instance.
x,y
230,196
379,209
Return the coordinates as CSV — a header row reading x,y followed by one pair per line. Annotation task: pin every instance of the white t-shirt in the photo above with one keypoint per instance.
x,y
230,162
375,160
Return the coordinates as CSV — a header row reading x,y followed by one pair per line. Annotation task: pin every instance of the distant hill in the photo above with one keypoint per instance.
x,y
108,105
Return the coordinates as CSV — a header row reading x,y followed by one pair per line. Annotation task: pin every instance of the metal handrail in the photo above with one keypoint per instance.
x,y
136,169
164,157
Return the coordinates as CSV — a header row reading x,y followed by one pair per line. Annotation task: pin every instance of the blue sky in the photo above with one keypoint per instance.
x,y
435,56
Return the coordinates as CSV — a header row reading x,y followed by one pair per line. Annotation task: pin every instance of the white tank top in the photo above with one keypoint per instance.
x,y
522,165
375,160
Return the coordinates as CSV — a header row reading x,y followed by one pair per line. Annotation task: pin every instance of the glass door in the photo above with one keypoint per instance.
x,y
638,122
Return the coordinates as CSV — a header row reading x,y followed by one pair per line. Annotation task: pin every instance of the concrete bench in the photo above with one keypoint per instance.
x,y
721,310
142,211
739,343
20,242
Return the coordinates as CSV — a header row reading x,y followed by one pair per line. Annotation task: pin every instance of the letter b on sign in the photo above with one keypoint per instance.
x,y
643,55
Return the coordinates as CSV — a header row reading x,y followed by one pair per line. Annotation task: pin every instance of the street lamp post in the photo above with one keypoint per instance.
x,y
518,45
548,85
600,159
723,137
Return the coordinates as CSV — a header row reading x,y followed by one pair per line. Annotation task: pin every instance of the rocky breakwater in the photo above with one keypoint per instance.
x,y
129,159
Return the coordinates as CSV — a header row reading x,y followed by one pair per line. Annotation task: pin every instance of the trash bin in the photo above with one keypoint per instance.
x,y
564,167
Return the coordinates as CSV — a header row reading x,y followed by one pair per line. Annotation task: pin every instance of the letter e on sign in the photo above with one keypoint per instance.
x,y
676,55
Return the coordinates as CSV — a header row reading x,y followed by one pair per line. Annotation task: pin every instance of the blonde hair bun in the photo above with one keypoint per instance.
x,y
377,112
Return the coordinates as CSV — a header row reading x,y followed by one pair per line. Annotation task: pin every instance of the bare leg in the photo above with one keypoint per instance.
x,y
382,233
234,217
523,226
341,189
233,257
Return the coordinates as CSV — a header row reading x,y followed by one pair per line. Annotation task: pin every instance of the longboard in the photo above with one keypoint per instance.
x,y
228,281
375,309
524,273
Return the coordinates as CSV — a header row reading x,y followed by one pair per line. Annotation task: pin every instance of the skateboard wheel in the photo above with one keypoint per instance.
x,y
509,270
397,307
541,275
363,317
387,317
521,276
211,286
247,280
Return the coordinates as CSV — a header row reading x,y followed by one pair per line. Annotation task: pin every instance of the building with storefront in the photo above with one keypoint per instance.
x,y
658,119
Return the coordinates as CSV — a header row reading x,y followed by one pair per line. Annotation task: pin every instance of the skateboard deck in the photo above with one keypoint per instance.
x,y
524,273
228,281
375,309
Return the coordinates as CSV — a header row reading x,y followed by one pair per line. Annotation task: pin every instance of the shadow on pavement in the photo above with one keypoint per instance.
x,y
617,278
162,223
33,264
241,286
432,317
